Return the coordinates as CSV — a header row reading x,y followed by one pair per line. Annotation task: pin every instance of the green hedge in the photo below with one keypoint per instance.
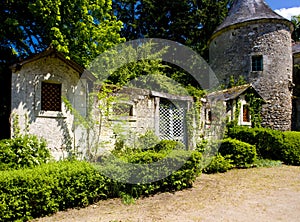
x,y
242,154
270,144
30,193
48,188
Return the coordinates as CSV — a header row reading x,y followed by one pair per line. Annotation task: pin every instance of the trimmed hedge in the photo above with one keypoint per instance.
x,y
242,154
270,144
31,193
48,188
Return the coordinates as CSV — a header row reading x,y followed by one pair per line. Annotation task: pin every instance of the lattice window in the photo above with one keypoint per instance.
x,y
51,97
171,121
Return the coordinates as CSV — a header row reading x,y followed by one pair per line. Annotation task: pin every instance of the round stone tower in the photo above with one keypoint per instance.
x,y
255,42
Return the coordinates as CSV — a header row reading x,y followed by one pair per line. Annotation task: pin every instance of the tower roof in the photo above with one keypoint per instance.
x,y
249,10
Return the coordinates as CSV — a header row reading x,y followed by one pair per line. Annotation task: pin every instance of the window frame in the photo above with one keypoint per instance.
x,y
58,98
257,64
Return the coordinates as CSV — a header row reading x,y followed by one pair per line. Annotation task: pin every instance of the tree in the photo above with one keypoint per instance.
x,y
296,34
81,29
190,22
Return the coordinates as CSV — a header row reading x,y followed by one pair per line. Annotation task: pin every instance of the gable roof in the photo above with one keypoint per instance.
x,y
250,10
54,53
231,93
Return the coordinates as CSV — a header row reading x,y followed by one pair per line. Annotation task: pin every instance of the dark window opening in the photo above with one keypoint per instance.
x,y
51,97
257,63
246,113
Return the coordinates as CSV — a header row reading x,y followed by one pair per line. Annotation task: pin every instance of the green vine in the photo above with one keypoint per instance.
x,y
255,106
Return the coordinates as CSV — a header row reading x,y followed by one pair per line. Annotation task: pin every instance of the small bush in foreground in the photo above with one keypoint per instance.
x,y
242,154
23,151
219,164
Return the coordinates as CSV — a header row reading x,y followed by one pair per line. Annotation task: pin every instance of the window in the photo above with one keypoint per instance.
x,y
51,97
123,109
257,63
246,113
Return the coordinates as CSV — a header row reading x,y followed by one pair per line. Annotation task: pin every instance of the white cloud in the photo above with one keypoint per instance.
x,y
288,12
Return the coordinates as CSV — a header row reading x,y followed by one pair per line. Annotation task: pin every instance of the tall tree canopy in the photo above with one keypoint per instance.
x,y
81,29
296,34
190,22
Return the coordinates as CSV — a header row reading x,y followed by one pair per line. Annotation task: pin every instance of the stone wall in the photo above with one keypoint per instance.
x,y
230,55
56,127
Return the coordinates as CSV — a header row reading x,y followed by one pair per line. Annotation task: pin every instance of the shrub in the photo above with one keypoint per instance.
x,y
30,193
219,164
271,144
23,151
48,188
291,148
168,145
177,167
242,154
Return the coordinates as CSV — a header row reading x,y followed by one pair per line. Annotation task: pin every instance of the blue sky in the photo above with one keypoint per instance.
x,y
285,8
278,4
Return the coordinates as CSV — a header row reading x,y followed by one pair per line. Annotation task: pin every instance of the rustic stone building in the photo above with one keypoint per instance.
x,y
51,98
39,86
255,42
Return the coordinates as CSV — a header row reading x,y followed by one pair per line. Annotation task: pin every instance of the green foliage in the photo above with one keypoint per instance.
x,y
180,21
46,189
266,163
23,151
168,145
81,29
242,154
270,144
296,33
52,187
177,167
291,148
147,140
219,164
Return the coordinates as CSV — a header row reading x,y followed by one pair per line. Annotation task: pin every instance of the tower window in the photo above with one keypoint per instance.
x,y
51,97
257,63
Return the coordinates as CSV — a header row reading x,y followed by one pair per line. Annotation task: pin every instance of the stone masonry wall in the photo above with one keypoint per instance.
x,y
230,55
56,127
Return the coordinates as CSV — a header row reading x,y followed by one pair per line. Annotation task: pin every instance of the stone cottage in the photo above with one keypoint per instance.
x,y
51,95
39,86
237,104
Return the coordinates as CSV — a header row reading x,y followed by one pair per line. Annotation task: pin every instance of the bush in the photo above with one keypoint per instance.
x,y
242,154
291,148
48,188
219,164
30,193
177,167
23,151
271,144
168,145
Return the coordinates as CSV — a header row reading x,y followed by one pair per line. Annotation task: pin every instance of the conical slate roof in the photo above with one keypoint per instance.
x,y
248,10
